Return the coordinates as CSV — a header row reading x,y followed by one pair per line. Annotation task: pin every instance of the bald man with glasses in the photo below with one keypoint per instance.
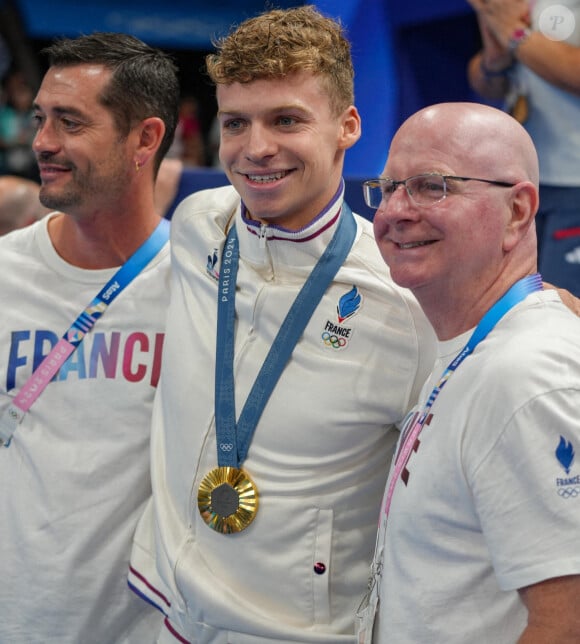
x,y
478,531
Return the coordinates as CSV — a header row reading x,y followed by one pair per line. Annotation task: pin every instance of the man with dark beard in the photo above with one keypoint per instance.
x,y
75,405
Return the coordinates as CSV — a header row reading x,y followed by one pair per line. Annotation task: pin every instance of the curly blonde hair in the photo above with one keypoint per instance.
x,y
285,41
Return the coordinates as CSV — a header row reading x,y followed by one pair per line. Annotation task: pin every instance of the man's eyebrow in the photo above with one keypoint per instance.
x,y
60,110
294,107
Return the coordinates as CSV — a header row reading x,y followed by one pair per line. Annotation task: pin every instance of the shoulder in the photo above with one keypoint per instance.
x,y
205,209
367,261
200,222
545,329
400,322
214,202
534,350
365,255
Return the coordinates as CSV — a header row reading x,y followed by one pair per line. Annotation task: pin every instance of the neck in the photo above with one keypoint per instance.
x,y
103,241
461,309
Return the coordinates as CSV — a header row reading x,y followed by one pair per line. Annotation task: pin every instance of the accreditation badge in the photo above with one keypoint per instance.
x,y
367,611
227,499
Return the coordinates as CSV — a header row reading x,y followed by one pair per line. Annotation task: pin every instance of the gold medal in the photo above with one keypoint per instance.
x,y
227,500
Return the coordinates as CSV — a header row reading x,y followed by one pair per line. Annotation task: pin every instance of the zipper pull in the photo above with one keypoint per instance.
x,y
263,230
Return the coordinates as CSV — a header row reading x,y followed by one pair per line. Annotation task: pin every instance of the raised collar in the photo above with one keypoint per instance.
x,y
263,244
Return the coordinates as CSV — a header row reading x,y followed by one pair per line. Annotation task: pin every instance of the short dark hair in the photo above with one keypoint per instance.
x,y
144,80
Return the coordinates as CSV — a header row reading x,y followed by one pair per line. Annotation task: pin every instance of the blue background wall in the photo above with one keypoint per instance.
x,y
406,54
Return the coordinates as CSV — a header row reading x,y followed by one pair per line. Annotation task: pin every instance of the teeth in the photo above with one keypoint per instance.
x,y
266,178
413,244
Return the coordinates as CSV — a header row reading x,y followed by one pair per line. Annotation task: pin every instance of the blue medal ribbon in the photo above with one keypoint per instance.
x,y
233,439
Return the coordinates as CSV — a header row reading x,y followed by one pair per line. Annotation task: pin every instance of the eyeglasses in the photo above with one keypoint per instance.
x,y
423,189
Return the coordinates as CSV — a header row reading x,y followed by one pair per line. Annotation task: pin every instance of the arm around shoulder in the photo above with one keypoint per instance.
x,y
571,301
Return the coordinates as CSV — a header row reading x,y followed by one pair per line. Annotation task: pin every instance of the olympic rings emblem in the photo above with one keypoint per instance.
x,y
569,492
334,341
226,447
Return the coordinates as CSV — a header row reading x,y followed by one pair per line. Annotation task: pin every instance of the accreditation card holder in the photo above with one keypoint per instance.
x,y
367,610
516,102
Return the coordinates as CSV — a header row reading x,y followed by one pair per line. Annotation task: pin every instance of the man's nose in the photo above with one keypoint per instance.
x,y
260,143
45,139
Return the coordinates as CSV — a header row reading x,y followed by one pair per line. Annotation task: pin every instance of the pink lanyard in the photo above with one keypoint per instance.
x,y
48,368
514,295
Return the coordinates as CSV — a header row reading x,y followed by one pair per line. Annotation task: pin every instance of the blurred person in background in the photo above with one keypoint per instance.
x,y
16,128
19,203
189,128
530,60
188,145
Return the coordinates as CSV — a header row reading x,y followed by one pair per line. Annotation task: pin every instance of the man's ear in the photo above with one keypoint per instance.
x,y
150,133
350,129
524,201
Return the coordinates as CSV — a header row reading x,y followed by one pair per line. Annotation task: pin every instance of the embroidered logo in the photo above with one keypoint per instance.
x,y
411,419
568,487
348,304
335,334
210,267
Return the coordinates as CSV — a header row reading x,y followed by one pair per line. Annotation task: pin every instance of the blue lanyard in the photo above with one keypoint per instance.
x,y
72,338
121,279
513,296
233,440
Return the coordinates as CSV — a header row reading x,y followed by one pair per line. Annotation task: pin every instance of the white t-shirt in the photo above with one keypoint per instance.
x,y
491,501
76,476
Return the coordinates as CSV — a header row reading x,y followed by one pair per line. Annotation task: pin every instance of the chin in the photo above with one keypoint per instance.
x,y
264,208
405,278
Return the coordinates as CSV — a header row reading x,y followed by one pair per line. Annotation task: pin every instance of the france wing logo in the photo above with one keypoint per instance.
x,y
348,304
211,263
565,454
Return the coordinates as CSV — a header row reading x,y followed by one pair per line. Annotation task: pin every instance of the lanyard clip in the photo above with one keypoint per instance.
x,y
9,421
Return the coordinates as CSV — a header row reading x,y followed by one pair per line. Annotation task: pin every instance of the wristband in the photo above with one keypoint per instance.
x,y
490,73
518,37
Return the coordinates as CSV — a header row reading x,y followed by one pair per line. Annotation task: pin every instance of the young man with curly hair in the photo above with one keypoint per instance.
x,y
289,357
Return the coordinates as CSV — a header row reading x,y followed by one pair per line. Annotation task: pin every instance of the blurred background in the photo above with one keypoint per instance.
x,y
407,54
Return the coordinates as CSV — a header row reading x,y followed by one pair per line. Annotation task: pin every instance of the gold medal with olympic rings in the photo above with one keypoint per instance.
x,y
227,499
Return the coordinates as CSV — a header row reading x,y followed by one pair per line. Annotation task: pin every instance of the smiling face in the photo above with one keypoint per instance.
x,y
84,162
466,242
427,244
282,147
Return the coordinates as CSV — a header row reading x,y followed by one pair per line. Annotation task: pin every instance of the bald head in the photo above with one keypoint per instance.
x,y
19,203
473,140
483,139
475,236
